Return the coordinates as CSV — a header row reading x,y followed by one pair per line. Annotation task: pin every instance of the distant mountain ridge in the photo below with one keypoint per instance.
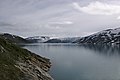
x,y
109,36
38,39
63,40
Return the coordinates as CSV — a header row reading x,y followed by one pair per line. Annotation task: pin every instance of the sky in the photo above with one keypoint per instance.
x,y
58,18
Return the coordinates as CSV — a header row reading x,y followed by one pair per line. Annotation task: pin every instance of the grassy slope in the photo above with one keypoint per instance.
x,y
9,54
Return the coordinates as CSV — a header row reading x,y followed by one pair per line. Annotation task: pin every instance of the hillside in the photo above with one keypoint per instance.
x,y
13,38
109,36
20,64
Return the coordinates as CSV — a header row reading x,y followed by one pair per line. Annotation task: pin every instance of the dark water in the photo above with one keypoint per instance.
x,y
75,62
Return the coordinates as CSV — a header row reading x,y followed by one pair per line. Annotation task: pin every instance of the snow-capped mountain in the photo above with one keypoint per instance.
x,y
38,39
109,36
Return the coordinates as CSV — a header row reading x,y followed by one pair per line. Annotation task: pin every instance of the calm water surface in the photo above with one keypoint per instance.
x,y
75,62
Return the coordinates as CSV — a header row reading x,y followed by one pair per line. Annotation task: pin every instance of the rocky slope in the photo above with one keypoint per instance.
x,y
20,64
109,36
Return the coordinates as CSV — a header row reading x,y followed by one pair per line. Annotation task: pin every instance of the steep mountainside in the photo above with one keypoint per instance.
x,y
109,36
38,39
13,38
20,64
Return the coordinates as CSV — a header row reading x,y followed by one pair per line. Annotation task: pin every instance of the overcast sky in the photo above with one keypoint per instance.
x,y
59,18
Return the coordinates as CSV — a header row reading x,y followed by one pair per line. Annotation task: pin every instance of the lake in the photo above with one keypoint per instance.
x,y
80,62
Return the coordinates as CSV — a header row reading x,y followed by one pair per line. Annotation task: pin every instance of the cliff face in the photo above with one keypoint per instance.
x,y
20,64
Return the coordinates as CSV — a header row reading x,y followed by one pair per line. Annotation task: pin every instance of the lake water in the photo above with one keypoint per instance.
x,y
76,62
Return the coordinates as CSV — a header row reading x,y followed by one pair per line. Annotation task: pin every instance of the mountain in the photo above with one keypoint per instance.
x,y
53,41
109,36
69,39
37,39
13,38
20,64
63,40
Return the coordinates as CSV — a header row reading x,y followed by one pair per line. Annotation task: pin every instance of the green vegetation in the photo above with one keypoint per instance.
x,y
9,55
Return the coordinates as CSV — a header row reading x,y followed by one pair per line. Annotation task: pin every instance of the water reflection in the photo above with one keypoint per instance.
x,y
81,62
106,50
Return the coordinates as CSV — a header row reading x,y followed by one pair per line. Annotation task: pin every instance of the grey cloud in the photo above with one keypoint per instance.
x,y
51,17
3,24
